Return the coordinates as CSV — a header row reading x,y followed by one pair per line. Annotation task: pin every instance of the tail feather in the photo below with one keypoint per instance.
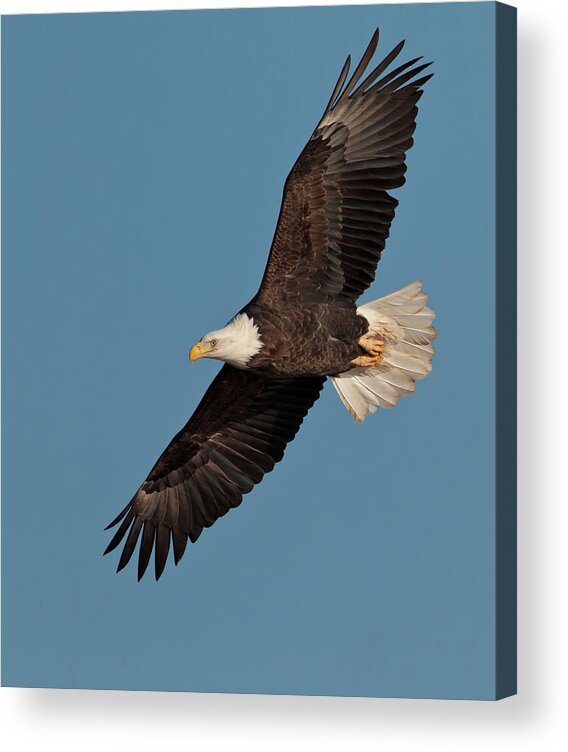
x,y
403,320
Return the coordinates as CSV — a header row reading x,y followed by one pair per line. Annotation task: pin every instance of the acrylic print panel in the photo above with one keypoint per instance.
x,y
144,157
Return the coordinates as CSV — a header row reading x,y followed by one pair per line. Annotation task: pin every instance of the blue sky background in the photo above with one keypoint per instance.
x,y
144,156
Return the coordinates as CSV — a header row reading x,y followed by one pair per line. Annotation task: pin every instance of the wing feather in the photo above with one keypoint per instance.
x,y
237,434
131,542
339,185
365,60
161,549
146,546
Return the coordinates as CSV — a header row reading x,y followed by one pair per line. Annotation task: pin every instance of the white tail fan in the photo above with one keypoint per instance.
x,y
404,322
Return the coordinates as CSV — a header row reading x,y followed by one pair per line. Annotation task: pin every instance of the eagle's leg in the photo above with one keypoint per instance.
x,y
375,349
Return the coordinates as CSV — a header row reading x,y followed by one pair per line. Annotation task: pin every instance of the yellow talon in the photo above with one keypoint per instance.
x,y
375,349
367,360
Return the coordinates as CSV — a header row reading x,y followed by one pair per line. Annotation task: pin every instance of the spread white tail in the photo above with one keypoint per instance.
x,y
404,322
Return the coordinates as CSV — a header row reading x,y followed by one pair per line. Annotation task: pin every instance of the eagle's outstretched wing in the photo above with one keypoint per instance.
x,y
237,434
336,213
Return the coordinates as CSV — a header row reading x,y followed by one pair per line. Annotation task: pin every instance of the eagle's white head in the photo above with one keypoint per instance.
x,y
235,344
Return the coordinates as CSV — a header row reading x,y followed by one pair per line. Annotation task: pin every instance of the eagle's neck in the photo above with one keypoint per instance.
x,y
242,341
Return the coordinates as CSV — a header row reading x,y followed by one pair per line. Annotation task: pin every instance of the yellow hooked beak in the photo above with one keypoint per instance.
x,y
197,351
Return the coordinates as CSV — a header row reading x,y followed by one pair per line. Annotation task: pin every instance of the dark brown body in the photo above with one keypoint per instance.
x,y
317,340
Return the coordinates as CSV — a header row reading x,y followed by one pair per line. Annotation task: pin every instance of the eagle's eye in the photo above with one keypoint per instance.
x,y
213,342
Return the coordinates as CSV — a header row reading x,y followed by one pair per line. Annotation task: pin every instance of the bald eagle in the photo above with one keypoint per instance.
x,y
303,325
